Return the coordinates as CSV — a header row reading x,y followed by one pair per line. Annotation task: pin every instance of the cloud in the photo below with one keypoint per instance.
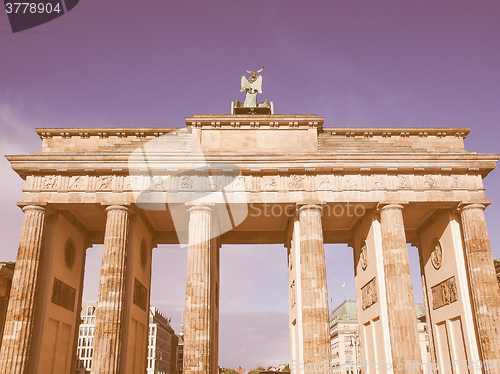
x,y
17,136
253,338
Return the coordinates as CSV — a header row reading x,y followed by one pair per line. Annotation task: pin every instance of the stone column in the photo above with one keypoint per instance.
x,y
199,353
400,303
4,301
109,311
483,283
315,313
14,354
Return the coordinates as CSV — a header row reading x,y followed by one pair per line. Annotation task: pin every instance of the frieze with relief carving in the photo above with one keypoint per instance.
x,y
239,183
187,182
404,181
431,181
78,182
351,182
323,182
296,182
104,182
49,182
320,182
269,182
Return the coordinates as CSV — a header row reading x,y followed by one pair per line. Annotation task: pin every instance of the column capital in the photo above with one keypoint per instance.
x,y
385,206
466,206
192,207
305,206
41,207
34,207
118,207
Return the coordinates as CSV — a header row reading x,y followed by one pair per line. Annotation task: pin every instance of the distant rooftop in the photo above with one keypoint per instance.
x,y
8,264
347,308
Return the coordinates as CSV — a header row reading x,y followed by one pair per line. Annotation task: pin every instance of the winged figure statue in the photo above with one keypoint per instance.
x,y
252,86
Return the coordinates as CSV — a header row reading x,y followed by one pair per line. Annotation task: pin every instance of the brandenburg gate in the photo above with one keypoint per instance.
x,y
254,179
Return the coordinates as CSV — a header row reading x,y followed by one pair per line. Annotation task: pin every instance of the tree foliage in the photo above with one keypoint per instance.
x,y
257,371
229,371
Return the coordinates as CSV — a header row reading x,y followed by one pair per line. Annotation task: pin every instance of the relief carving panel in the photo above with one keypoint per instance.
x,y
239,183
431,181
379,181
63,295
292,182
404,181
437,255
140,295
103,182
78,182
444,293
363,257
350,182
269,182
49,182
186,182
323,182
296,182
369,294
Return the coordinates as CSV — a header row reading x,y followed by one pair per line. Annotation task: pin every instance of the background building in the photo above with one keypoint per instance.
x,y
345,342
6,273
162,343
180,352
423,337
85,346
497,268
344,336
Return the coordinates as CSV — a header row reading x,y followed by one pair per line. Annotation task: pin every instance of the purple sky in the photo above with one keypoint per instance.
x,y
357,63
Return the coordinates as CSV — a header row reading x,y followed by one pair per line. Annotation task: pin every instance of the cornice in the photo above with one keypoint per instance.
x,y
105,132
255,121
37,164
219,121
403,132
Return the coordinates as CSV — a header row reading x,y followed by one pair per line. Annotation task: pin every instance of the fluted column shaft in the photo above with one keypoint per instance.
x,y
197,352
315,313
109,311
400,302
483,283
16,344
